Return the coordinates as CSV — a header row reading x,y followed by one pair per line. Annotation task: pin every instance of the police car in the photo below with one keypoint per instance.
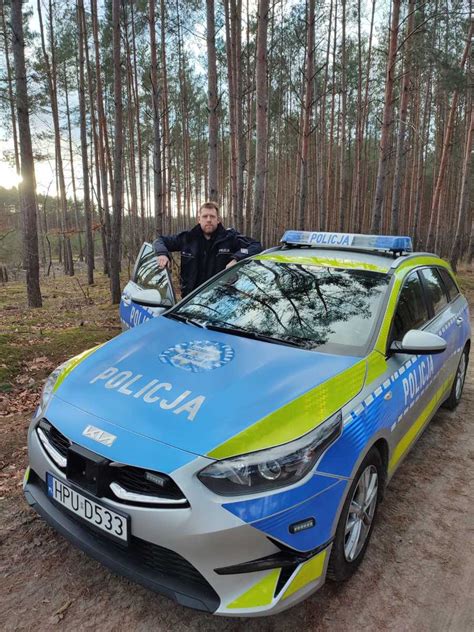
x,y
231,454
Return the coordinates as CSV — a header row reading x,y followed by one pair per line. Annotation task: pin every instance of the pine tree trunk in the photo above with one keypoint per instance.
x,y
261,119
95,149
53,96
155,105
138,127
464,191
85,164
71,161
400,150
11,100
384,148
435,206
167,162
118,156
212,103
28,197
103,150
307,114
343,116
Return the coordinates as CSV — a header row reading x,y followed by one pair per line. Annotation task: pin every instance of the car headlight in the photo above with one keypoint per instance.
x,y
50,383
272,468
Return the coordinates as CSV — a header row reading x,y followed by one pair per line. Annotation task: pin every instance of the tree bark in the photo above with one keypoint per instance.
x,y
212,104
405,95
28,197
51,75
103,149
261,119
435,209
156,100
71,160
384,148
464,191
118,156
85,162
307,113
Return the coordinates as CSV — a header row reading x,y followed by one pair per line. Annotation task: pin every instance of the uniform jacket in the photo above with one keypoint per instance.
x,y
226,244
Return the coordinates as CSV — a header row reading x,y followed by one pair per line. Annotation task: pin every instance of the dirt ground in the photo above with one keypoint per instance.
x,y
418,574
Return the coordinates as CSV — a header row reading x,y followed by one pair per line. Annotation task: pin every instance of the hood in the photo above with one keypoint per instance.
x,y
199,390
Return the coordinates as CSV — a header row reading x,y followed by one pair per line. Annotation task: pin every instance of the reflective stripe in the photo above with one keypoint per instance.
x,y
307,572
259,595
72,364
304,413
410,436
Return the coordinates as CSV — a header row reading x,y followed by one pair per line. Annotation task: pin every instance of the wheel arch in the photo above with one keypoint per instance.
x,y
381,445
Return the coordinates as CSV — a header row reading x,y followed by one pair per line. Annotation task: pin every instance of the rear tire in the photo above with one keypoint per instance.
x,y
357,518
458,384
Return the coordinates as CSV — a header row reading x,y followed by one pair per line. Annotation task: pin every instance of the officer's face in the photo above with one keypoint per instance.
x,y
208,220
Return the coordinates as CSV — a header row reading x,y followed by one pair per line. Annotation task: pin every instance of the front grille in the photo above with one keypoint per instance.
x,y
164,561
131,479
55,438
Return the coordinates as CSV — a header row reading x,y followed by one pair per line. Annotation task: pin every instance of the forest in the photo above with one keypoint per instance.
x,y
341,115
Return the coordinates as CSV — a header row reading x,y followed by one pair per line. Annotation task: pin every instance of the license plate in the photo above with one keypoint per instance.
x,y
102,518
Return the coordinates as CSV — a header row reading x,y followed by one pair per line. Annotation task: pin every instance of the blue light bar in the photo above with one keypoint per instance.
x,y
347,240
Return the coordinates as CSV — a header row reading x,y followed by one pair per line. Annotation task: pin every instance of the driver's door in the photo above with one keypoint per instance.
x,y
149,292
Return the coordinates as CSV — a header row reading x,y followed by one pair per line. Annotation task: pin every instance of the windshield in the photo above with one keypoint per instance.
x,y
318,308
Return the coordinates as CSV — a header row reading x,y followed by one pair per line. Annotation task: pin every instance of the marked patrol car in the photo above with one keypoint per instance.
x,y
232,453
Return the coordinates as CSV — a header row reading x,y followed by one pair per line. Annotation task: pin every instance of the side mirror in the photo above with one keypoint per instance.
x,y
150,298
419,343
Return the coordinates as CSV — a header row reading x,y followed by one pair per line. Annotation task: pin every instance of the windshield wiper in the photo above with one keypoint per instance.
x,y
186,319
245,333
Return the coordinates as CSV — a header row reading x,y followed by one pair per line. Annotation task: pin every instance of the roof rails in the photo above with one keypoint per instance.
x,y
380,244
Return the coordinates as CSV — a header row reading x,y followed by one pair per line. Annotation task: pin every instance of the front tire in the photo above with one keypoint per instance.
x,y
357,518
458,384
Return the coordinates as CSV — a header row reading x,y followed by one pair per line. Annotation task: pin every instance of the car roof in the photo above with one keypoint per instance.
x,y
344,258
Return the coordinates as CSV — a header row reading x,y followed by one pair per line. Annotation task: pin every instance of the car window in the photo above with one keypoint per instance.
x,y
318,308
411,311
434,289
449,283
149,277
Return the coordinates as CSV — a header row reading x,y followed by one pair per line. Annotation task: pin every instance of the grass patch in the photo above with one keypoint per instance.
x,y
74,317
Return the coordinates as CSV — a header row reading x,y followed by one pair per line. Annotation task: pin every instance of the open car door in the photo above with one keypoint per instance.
x,y
149,292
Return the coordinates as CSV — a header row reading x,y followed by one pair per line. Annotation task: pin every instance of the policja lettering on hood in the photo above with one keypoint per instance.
x,y
147,390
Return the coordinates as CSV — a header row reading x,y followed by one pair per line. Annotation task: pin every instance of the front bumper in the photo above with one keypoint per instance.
x,y
190,589
176,552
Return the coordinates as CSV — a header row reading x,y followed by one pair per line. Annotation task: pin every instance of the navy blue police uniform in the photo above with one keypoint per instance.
x,y
202,258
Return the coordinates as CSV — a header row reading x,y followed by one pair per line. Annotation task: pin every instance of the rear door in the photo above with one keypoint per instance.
x,y
443,323
149,292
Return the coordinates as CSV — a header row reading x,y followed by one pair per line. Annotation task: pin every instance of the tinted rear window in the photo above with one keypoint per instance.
x,y
434,289
449,283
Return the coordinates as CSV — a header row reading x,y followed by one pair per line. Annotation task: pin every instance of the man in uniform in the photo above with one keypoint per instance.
x,y
206,249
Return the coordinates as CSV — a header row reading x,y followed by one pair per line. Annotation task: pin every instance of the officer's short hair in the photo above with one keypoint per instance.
x,y
209,205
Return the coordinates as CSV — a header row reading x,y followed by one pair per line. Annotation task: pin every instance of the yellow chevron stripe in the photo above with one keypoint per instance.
x,y
298,416
415,430
72,364
261,594
308,572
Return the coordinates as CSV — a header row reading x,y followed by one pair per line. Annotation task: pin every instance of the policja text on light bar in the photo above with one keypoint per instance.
x,y
347,240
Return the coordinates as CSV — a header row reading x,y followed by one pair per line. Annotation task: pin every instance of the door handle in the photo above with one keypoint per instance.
x,y
459,321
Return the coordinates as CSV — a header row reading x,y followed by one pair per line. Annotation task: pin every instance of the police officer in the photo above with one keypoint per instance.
x,y
206,249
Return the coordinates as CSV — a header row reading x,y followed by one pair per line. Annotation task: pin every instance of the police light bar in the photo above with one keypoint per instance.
x,y
347,240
